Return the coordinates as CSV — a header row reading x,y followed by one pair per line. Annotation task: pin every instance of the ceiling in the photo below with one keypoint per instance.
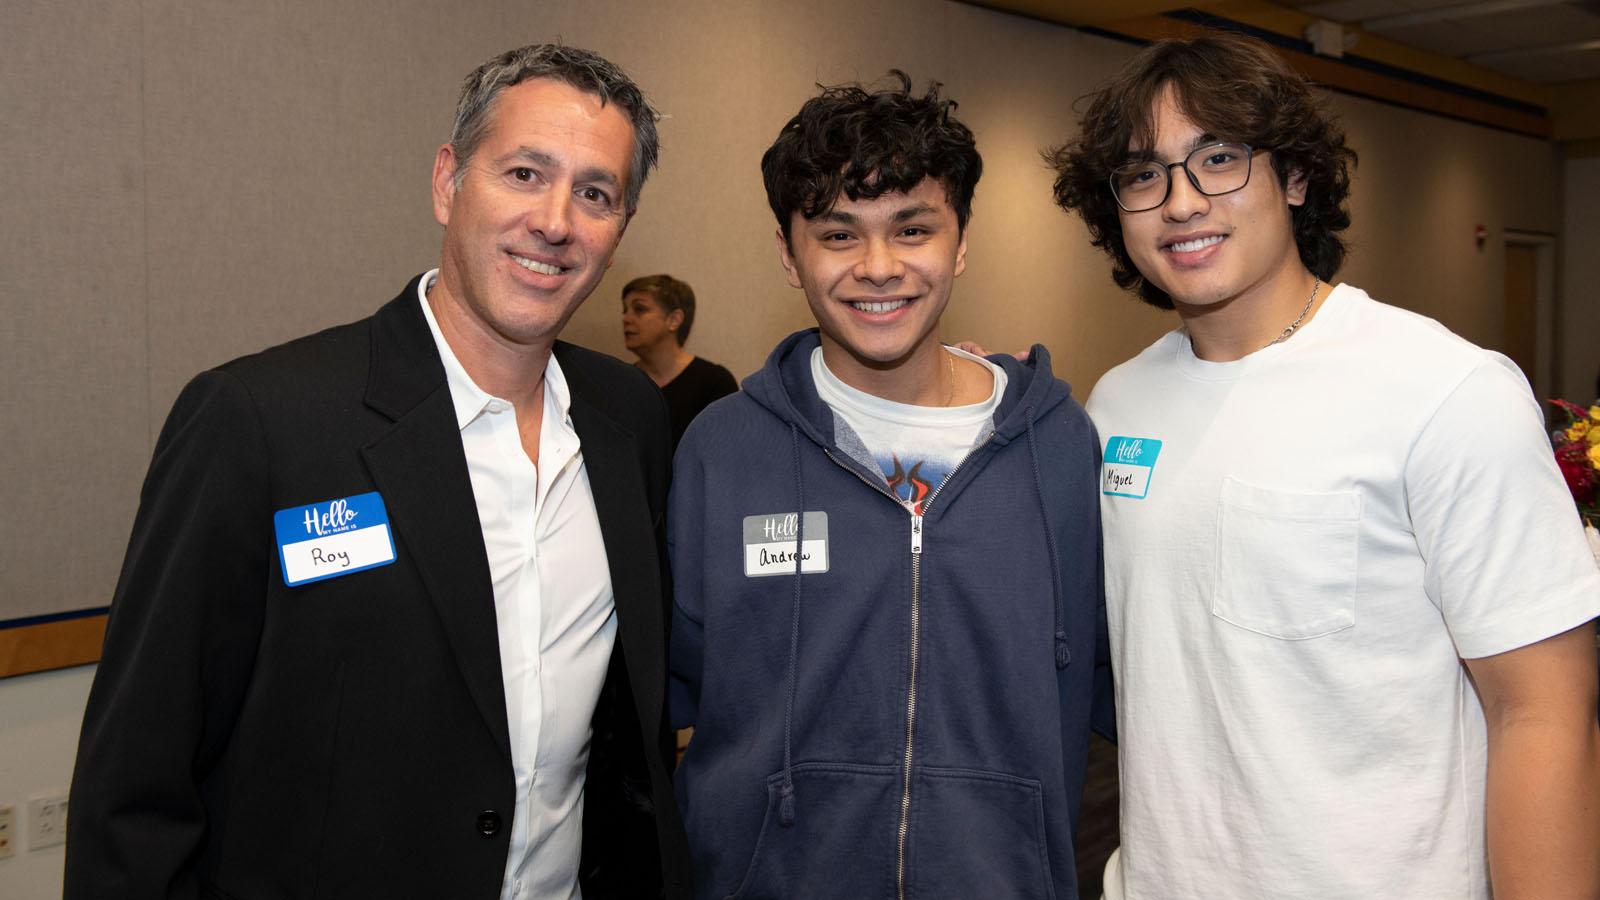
x,y
1528,66
1543,41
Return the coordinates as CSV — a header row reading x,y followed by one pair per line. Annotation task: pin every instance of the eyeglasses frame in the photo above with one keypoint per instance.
x,y
1194,181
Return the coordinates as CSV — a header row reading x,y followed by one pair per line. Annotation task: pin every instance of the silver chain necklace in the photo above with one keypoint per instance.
x,y
1287,332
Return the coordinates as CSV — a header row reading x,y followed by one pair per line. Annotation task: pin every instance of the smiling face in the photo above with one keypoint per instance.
x,y
533,218
1205,251
645,324
877,274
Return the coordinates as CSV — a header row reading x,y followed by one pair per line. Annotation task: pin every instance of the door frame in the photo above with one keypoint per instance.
x,y
1544,344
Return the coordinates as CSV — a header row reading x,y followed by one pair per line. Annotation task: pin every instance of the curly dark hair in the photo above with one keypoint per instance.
x,y
1236,88
866,144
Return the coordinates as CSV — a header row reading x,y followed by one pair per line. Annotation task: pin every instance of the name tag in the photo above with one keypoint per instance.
x,y
333,538
769,544
1129,464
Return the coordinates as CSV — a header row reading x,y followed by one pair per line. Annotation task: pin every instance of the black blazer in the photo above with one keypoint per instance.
x,y
347,738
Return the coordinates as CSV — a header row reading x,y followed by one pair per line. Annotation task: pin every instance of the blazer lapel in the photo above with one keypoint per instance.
x,y
611,458
421,471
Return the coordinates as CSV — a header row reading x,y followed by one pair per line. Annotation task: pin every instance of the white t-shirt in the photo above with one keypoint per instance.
x,y
915,447
1293,573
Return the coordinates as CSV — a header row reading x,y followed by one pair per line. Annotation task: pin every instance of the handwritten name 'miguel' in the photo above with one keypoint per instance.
x,y
338,517
1116,481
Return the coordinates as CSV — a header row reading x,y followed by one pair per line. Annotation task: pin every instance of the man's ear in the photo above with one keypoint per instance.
x,y
675,320
787,258
961,253
444,183
1294,190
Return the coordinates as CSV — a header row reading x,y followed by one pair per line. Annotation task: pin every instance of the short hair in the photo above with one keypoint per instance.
x,y
1236,88
578,68
671,294
864,144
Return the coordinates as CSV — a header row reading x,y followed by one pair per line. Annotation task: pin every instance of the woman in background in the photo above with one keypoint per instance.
x,y
657,313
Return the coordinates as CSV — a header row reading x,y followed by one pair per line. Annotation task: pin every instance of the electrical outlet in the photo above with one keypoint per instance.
x,y
8,831
47,820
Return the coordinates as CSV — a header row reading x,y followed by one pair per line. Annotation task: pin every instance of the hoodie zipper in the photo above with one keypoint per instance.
x,y
904,829
911,698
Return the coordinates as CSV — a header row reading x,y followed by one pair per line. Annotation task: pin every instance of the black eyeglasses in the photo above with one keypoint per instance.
x,y
1214,169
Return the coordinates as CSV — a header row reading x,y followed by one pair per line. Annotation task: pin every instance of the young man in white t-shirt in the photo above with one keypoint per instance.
x,y
1350,600
905,712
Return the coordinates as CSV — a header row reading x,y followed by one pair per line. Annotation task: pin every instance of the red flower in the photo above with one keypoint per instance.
x,y
1572,408
1573,460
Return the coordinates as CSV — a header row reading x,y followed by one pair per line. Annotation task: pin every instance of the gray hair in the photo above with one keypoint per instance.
x,y
581,69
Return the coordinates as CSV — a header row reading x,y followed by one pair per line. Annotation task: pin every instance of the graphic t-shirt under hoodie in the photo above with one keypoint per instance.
x,y
915,447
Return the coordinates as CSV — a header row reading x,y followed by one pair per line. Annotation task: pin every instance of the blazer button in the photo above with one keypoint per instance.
x,y
488,823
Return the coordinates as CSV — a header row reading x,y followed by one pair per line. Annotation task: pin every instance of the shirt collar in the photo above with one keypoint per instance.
x,y
470,400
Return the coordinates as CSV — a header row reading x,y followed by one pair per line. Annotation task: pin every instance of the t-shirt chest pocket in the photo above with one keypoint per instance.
x,y
1286,561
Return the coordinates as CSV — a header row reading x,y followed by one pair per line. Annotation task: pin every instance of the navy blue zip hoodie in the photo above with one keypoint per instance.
x,y
913,721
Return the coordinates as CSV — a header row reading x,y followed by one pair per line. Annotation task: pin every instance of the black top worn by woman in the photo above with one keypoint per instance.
x,y
695,387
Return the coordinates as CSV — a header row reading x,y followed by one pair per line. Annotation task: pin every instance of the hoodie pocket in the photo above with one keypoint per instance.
x,y
841,842
977,834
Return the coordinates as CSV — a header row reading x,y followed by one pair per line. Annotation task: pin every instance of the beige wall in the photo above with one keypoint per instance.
x,y
1423,186
188,182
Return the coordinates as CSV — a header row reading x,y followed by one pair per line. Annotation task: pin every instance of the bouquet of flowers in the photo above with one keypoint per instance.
x,y
1578,455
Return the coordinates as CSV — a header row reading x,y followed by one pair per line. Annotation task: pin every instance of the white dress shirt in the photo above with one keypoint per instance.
x,y
554,607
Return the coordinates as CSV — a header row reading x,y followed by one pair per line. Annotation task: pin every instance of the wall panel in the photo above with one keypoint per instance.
x,y
74,416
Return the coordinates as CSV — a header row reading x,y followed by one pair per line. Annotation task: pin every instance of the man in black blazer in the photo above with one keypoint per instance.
x,y
328,596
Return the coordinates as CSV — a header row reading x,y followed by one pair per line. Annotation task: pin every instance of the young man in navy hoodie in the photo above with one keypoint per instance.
x,y
908,714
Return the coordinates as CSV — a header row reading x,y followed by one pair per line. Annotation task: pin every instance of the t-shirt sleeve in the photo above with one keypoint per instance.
x,y
1505,557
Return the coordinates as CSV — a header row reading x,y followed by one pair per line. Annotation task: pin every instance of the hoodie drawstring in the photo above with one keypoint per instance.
x,y
786,791
1063,655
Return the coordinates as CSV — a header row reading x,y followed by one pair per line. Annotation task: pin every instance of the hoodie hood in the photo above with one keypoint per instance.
x,y
783,387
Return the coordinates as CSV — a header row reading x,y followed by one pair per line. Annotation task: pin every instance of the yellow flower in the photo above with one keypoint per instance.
x,y
1578,430
1594,455
1594,437
1594,412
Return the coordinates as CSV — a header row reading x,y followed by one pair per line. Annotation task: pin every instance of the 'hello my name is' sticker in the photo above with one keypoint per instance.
x,y
333,538
1130,462
769,544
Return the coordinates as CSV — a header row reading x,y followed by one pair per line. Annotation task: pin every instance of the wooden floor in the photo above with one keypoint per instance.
x,y
1098,818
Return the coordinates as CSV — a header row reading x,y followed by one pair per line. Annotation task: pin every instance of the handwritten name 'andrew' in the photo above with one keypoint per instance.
x,y
779,557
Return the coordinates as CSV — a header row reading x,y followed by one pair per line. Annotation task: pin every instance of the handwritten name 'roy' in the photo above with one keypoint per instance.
x,y
319,558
